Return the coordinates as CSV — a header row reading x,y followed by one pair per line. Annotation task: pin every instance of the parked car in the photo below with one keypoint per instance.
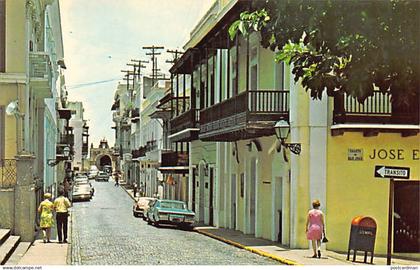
x,y
108,169
170,212
102,176
82,192
141,205
93,172
81,178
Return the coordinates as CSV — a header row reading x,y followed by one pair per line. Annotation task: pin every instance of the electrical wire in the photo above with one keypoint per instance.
x,y
90,83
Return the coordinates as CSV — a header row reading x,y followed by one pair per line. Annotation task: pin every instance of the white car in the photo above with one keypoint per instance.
x,y
82,192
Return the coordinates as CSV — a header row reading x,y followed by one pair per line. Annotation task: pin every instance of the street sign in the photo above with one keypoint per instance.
x,y
392,172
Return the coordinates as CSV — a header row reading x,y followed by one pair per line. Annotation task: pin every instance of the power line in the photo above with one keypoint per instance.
x,y
90,83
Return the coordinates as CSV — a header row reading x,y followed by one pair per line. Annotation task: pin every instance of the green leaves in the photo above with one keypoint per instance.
x,y
348,46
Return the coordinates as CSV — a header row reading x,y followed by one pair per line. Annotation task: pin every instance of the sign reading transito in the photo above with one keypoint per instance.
x,y
392,172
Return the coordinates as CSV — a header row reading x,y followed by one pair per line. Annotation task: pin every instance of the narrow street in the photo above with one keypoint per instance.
x,y
105,232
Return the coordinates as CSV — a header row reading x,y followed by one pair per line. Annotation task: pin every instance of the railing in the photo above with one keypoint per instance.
x,y
173,159
377,108
268,101
188,119
255,102
8,173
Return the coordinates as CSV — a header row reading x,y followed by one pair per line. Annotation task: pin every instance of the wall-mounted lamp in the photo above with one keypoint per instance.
x,y
65,156
282,129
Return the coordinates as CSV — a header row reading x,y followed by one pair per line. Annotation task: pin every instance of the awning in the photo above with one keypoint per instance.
x,y
188,134
175,169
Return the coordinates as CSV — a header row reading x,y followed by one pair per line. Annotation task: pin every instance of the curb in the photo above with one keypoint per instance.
x,y
253,250
129,194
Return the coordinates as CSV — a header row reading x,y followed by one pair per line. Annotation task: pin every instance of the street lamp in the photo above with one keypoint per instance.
x,y
282,129
66,151
65,156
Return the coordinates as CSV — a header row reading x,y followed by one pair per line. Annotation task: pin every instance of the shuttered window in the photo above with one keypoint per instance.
x,y
2,35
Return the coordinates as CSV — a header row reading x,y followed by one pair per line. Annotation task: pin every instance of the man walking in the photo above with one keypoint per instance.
x,y
134,189
61,206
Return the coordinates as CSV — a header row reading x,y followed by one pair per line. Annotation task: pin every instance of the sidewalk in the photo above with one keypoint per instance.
x,y
283,254
54,253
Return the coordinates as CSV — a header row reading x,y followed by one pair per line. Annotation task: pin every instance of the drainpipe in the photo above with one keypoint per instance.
x,y
25,126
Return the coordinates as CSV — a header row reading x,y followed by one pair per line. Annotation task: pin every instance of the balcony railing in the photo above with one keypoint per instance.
x,y
188,119
174,159
247,115
8,173
377,109
40,73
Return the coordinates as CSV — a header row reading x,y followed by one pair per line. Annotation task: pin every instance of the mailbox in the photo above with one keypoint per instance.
x,y
362,237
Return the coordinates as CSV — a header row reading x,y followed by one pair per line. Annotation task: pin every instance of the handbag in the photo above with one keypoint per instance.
x,y
324,239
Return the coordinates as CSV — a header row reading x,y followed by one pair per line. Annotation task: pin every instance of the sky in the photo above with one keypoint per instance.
x,y
101,36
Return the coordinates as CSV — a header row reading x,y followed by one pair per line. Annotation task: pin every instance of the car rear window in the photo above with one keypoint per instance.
x,y
175,205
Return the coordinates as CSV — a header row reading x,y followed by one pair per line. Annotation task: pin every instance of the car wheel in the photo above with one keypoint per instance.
x,y
156,224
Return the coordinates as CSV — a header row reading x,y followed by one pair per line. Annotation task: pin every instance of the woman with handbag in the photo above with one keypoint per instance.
x,y
315,227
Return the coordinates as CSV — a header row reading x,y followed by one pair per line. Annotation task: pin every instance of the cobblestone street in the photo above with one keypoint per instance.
x,y
105,232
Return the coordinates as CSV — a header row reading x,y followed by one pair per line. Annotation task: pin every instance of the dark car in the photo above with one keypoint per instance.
x,y
102,176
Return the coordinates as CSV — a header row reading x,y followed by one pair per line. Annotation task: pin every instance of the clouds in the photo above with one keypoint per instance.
x,y
101,36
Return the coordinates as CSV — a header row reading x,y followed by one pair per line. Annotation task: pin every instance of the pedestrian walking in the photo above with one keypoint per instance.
x,y
46,208
117,176
66,186
134,189
62,205
315,227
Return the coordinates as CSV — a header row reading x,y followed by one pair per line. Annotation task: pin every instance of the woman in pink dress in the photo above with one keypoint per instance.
x,y
315,227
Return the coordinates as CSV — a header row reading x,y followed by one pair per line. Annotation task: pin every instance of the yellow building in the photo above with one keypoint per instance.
x,y
31,63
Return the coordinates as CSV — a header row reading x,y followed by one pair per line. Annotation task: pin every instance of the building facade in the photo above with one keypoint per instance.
x,y
31,81
228,95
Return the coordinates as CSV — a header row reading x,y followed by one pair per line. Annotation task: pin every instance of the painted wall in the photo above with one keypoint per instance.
x,y
7,208
352,186
15,36
8,93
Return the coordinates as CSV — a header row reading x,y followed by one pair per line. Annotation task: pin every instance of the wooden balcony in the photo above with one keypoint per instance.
x,y
248,115
185,127
376,113
174,162
377,109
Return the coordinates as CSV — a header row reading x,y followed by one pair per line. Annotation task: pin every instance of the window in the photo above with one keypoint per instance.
x,y
2,35
279,76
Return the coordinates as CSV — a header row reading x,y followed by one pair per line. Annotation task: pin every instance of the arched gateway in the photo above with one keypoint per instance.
x,y
102,156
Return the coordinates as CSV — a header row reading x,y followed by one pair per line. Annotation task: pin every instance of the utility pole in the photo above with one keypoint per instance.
x,y
139,66
176,54
153,52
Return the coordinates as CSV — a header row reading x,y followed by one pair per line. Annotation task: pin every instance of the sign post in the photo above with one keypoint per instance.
x,y
391,173
390,215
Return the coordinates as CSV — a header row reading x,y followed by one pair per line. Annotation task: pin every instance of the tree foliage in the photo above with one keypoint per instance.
x,y
343,46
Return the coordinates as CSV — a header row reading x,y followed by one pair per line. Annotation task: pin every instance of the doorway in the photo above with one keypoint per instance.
x,y
193,189
211,217
233,202
252,192
406,219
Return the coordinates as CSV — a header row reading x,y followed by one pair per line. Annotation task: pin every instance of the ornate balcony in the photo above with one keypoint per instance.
x,y
250,114
40,74
185,127
377,112
174,162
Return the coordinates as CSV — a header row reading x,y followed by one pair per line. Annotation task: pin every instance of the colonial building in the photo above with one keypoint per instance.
x,y
80,134
227,98
102,155
31,80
